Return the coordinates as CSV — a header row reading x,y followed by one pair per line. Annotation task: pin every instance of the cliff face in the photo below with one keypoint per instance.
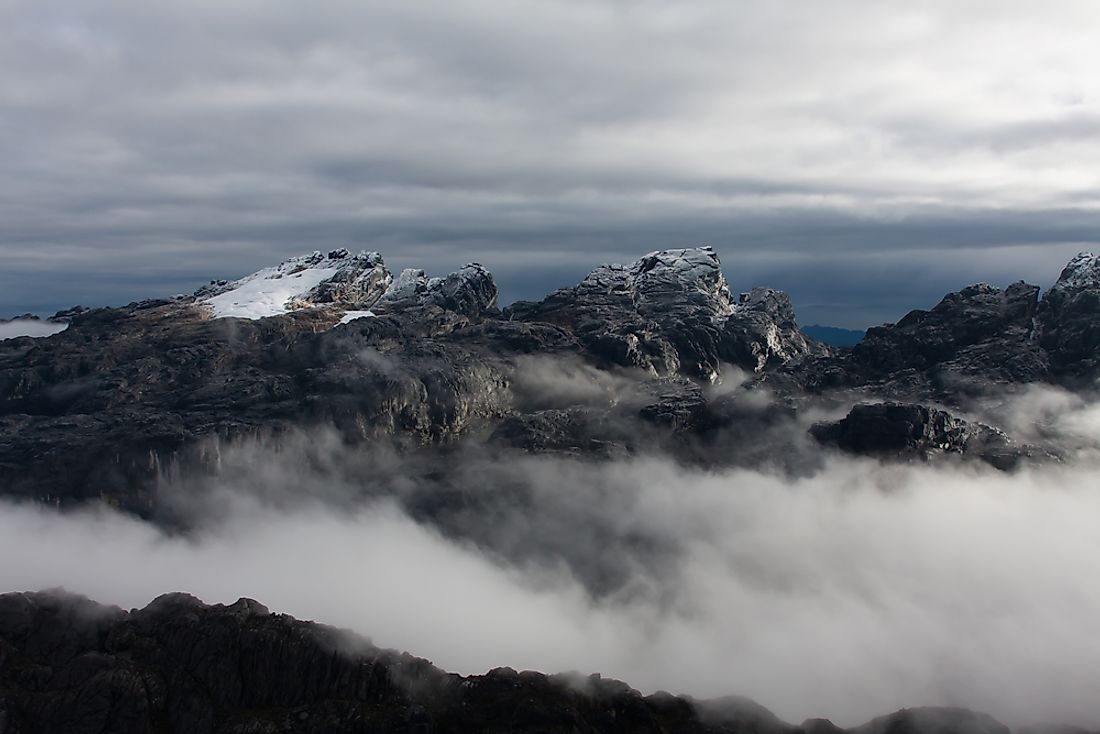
x,y
71,666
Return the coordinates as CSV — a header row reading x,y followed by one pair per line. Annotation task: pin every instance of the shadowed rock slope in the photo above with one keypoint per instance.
x,y
71,666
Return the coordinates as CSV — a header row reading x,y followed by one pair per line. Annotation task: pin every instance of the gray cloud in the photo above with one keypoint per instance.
x,y
156,145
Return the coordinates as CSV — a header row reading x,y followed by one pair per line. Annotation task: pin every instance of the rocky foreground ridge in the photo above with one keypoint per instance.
x,y
638,357
71,666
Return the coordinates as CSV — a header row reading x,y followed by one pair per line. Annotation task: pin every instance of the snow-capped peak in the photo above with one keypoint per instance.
x,y
338,278
653,279
1083,271
354,286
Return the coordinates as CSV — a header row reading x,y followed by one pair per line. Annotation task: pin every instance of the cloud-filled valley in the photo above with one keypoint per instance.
x,y
858,588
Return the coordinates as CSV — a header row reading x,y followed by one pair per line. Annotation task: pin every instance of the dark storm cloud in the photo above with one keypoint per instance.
x,y
149,147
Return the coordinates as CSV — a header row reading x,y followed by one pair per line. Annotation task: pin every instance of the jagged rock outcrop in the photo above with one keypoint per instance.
x,y
761,333
672,312
469,291
908,431
71,666
974,338
979,338
1069,320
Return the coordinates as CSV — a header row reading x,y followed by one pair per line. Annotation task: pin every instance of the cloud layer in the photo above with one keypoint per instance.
x,y
849,592
29,327
151,147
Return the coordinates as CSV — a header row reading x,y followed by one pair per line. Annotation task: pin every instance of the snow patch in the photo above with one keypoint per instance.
x,y
268,292
317,279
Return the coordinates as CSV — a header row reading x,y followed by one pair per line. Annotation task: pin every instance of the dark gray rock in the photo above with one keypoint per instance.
x,y
908,431
761,333
468,292
180,666
1069,319
672,312
69,665
980,334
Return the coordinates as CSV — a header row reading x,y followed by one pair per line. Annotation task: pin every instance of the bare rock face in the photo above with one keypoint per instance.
x,y
469,291
1069,319
907,431
761,333
979,331
672,311
359,281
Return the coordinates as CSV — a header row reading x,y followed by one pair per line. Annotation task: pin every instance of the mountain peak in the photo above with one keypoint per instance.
x,y
1083,271
347,284
338,277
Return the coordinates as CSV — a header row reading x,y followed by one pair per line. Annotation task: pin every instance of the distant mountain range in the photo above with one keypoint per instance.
x,y
834,335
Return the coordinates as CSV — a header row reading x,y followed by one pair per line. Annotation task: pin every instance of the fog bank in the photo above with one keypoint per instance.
x,y
848,594
29,327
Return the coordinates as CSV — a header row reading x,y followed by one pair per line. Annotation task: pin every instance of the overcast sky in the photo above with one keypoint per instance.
x,y
865,155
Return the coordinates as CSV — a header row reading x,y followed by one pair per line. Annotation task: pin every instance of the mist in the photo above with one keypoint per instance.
x,y
859,589
29,327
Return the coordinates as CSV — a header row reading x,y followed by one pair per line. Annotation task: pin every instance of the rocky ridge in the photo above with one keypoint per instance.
x,y
903,430
71,666
654,357
341,283
102,410
672,312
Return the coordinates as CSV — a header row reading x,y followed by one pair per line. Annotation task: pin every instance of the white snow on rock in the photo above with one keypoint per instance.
x,y
300,282
30,327
268,292
1083,271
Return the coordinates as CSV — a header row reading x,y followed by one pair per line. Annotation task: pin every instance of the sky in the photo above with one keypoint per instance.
x,y
866,156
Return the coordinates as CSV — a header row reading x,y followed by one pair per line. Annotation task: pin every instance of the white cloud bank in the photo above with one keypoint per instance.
x,y
29,327
848,594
